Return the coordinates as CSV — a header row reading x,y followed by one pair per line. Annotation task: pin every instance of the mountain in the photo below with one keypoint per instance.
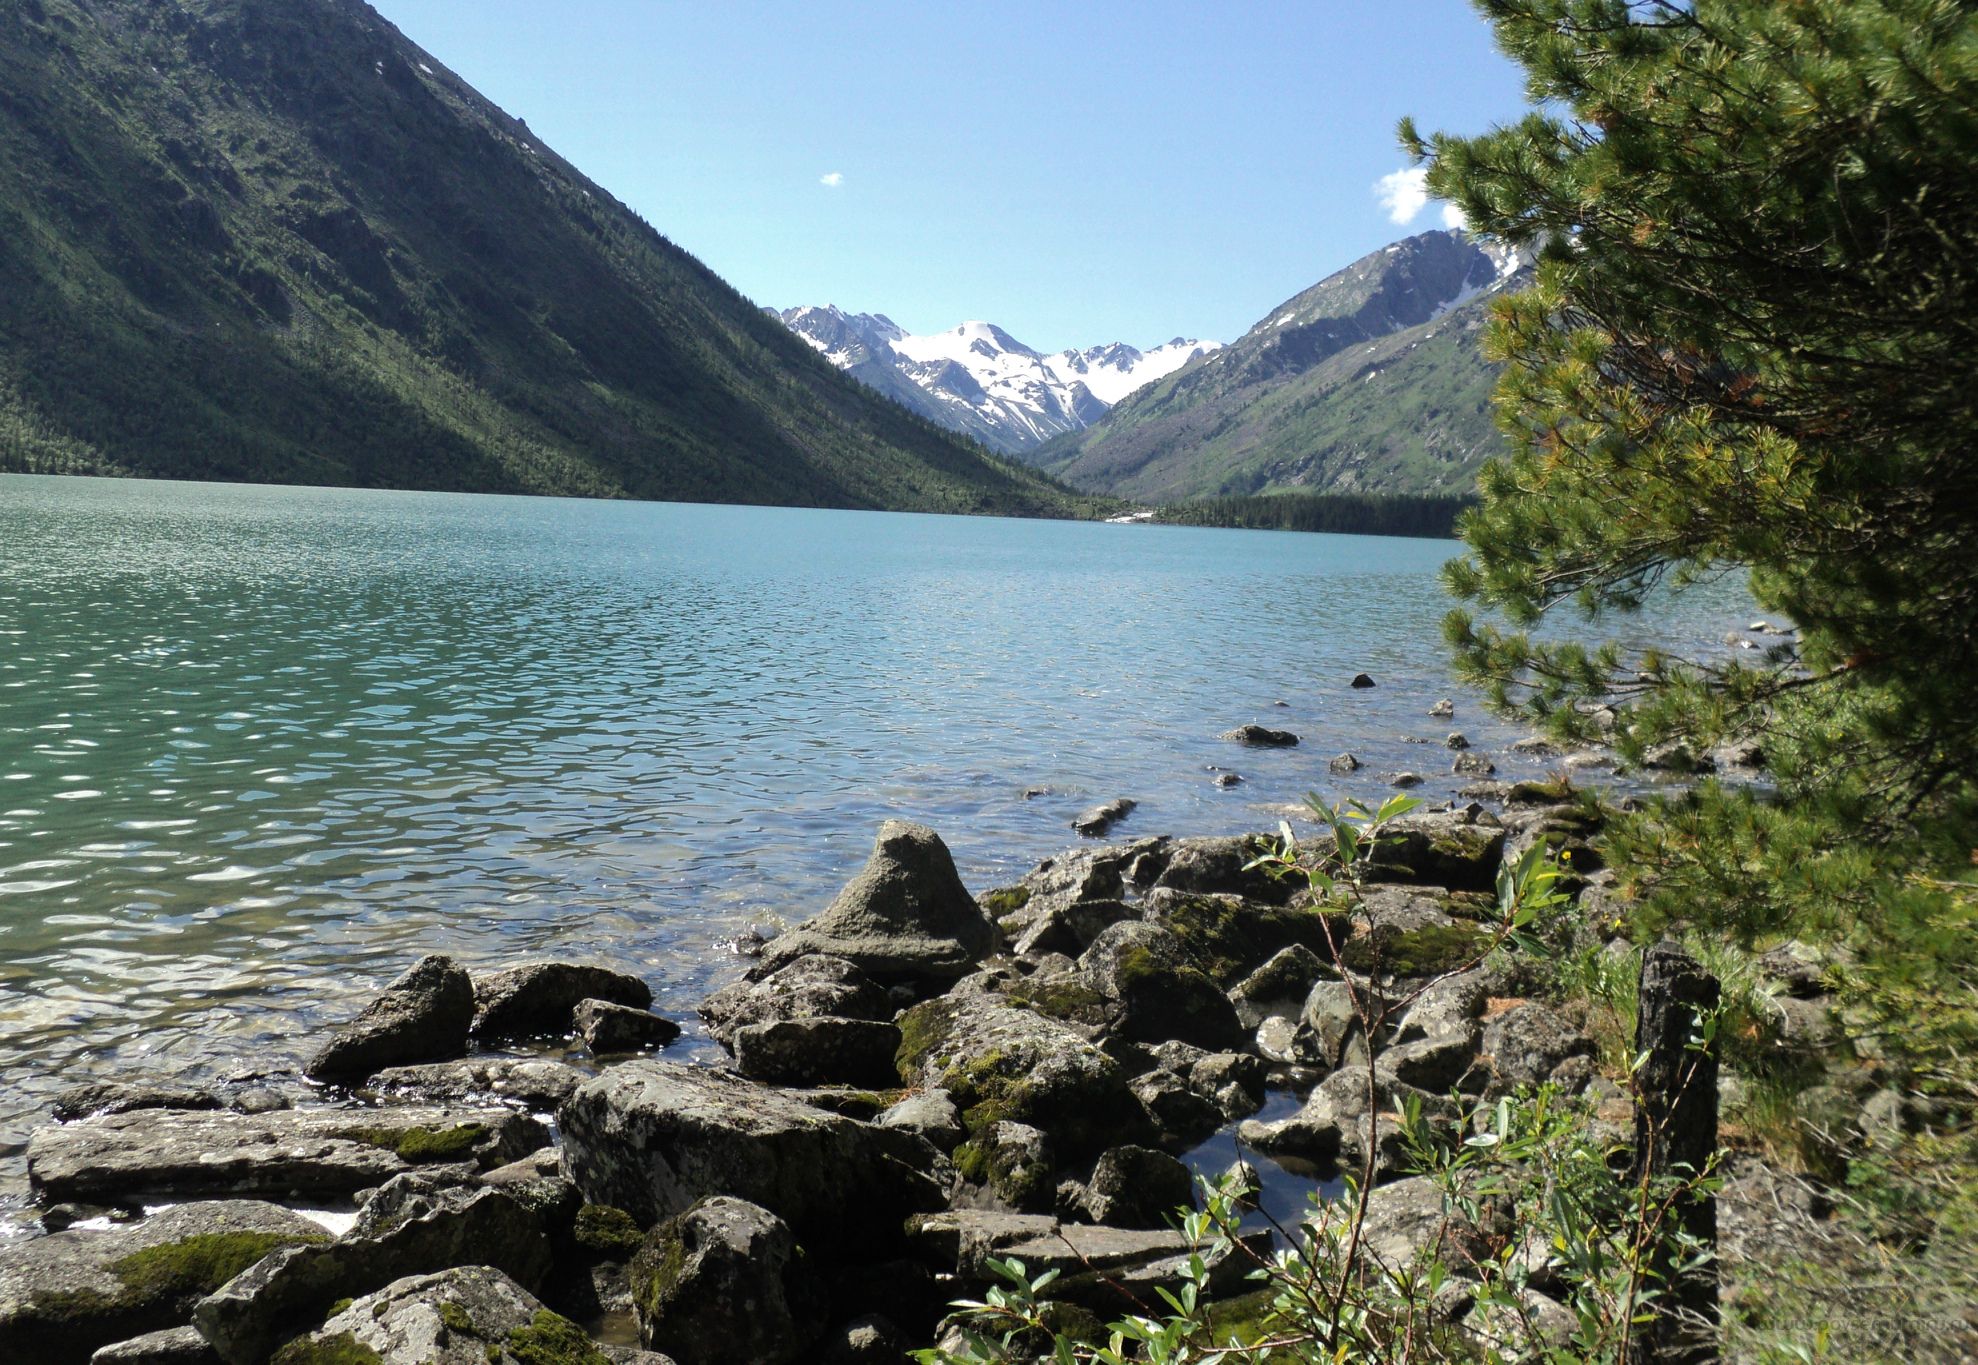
x,y
1370,381
980,380
273,240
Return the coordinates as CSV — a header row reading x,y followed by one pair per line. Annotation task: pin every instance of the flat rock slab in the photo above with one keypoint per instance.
x,y
291,1152
534,1081
173,1346
651,1137
1095,822
64,1296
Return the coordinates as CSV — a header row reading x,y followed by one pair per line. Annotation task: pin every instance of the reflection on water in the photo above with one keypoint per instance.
x,y
260,747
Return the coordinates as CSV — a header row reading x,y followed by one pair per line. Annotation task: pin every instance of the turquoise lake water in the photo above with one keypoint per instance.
x,y
260,748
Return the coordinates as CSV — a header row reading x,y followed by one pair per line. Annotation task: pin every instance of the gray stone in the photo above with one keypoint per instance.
x,y
1138,1187
653,1137
422,1016
1472,764
1441,1063
173,1346
932,1114
869,1339
724,1283
1260,737
1362,680
537,999
295,1152
1095,822
1228,779
606,1027
1336,1123
1405,780
1449,1008
61,1297
121,1097
819,1052
1343,763
409,1227
1279,986
1456,740
1410,1217
1233,1081
534,1081
1179,1113
1008,1166
1160,994
905,917
1448,849
1443,709
1278,1039
815,986
1527,1043
1218,866
1070,929
452,1318
1034,1069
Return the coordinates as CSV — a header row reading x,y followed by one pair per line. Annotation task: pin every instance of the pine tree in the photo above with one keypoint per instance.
x,y
1752,347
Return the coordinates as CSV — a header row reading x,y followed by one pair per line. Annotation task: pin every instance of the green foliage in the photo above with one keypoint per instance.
x,y
1363,514
242,240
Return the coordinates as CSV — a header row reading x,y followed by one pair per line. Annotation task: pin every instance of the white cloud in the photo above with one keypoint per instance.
x,y
1404,194
831,179
1452,217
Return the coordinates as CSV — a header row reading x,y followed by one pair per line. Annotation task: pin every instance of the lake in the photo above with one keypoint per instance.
x,y
260,748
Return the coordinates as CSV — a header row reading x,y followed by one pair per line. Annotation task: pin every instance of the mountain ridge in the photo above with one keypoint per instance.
x,y
1370,381
274,240
978,379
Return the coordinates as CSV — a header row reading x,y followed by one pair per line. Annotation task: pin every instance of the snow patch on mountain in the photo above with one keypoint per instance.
x,y
978,379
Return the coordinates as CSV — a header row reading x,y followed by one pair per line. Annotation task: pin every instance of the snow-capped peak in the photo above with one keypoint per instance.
x,y
978,379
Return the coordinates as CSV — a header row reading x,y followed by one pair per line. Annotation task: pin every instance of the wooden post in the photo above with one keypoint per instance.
x,y
1675,1136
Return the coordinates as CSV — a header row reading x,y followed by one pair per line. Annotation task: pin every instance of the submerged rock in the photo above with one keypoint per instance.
x,y
121,1097
652,1137
1343,763
538,999
1095,822
1362,680
1260,737
905,917
423,1016
814,986
291,1152
725,1283
65,1295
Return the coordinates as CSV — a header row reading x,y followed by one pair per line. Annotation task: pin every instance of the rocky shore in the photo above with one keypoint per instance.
x,y
919,1079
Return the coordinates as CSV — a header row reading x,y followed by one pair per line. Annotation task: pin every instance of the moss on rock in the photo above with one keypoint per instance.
x,y
607,1231
341,1349
1428,950
1228,938
1004,900
198,1264
552,1339
1061,997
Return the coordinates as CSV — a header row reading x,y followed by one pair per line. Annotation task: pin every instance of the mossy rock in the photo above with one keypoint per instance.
x,y
1245,1320
341,1349
454,1318
551,1339
1004,900
607,1231
1061,997
1228,938
199,1264
1427,950
863,1105
1533,793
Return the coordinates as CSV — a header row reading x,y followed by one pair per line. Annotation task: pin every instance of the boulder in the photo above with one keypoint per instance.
x,y
1443,709
1000,1061
653,1137
1528,1043
1336,1124
1138,1187
1069,929
1446,849
1233,1081
1260,737
1405,780
423,1016
819,1052
1095,822
1456,739
815,986
1449,1008
409,1227
906,917
1362,680
931,1114
288,1153
725,1283
121,1097
1180,1115
1228,937
605,1027
1145,970
474,1315
1332,1033
1409,1217
1007,1166
537,999
173,1346
534,1081
63,1296
1342,764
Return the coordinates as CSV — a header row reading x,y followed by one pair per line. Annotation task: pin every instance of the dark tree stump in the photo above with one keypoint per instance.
x,y
1675,1137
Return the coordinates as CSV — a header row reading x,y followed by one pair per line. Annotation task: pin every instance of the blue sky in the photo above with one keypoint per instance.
x,y
1078,174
